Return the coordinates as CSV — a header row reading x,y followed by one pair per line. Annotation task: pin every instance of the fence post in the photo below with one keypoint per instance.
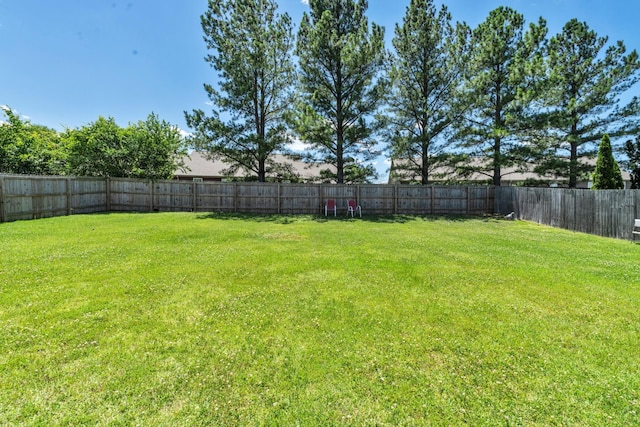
x,y
433,198
395,199
492,195
150,196
69,208
468,201
194,194
108,188
235,196
487,200
279,201
3,216
36,198
575,210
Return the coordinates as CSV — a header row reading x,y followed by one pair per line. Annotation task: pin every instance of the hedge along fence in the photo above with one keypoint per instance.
x,y
608,213
30,197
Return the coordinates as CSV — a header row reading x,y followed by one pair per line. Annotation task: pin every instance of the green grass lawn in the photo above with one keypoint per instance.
x,y
195,319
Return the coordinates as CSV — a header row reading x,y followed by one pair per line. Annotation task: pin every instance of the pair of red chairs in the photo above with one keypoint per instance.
x,y
352,208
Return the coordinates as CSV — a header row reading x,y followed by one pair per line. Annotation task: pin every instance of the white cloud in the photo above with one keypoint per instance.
x,y
305,2
184,133
298,146
5,107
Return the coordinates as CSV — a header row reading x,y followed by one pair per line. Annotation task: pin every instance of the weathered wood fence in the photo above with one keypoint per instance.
x,y
30,197
608,213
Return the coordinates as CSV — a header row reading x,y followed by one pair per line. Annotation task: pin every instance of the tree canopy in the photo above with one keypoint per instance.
x,y
251,47
150,149
502,80
26,148
582,100
496,99
427,72
342,60
607,175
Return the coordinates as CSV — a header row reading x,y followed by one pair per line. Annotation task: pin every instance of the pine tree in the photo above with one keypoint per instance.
x,y
342,60
503,83
427,72
251,48
582,99
607,174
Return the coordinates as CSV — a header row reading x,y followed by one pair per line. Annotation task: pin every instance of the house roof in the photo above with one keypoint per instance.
x,y
198,165
509,174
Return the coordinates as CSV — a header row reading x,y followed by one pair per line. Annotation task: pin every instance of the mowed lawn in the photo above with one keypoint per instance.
x,y
183,319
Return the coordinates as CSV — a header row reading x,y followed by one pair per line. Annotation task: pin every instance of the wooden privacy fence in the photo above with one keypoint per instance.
x,y
29,197
608,213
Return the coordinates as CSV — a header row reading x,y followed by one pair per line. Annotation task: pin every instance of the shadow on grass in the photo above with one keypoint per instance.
x,y
289,219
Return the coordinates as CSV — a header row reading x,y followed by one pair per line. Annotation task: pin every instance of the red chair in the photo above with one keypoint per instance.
x,y
353,207
330,206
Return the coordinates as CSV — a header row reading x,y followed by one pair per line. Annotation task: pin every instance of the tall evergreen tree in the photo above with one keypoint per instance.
x,y
251,48
607,174
503,81
341,61
427,72
582,99
632,150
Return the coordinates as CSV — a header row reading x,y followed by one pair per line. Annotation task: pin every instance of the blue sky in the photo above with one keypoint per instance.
x,y
66,62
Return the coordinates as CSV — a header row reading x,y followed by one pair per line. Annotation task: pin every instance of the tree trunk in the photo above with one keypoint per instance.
x,y
339,127
497,139
497,170
425,164
339,159
262,172
573,159
573,166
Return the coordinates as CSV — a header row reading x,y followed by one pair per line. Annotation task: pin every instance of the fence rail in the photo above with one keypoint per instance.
x,y
608,213
30,197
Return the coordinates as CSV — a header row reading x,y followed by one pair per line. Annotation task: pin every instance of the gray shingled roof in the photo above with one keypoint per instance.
x,y
197,165
509,174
